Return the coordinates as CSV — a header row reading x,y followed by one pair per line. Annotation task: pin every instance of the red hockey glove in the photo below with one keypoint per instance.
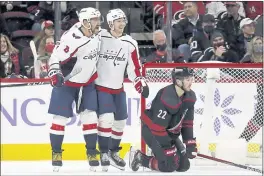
x,y
191,148
141,86
56,78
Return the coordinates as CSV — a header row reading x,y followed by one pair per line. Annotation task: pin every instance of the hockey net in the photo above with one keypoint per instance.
x,y
228,115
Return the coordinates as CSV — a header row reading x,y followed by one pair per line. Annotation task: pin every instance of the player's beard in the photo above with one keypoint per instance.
x,y
96,29
186,88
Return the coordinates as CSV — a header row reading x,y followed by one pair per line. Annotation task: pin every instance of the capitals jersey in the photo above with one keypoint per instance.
x,y
75,51
117,56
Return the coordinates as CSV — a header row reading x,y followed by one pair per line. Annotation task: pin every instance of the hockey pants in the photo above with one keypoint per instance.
x,y
163,162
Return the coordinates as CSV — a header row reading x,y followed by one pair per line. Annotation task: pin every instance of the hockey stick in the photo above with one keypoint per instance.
x,y
72,74
79,99
181,147
33,49
230,163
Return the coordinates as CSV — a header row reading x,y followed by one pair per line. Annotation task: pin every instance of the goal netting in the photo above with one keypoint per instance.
x,y
228,115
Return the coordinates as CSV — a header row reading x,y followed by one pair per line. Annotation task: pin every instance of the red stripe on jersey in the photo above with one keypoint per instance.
x,y
117,133
187,122
109,90
188,99
106,130
89,126
155,128
187,126
165,103
135,60
73,84
57,127
159,133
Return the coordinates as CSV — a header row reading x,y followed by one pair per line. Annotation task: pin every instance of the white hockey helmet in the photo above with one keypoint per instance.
x,y
115,14
88,14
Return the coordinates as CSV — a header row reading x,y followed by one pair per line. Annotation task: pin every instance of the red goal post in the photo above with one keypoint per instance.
x,y
230,93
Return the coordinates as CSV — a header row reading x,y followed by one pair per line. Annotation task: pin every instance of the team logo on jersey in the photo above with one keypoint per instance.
x,y
115,56
177,128
91,56
75,36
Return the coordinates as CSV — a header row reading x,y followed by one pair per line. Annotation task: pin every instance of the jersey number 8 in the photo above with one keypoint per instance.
x,y
194,45
162,114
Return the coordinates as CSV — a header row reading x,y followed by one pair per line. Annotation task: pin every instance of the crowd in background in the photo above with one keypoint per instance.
x,y
201,31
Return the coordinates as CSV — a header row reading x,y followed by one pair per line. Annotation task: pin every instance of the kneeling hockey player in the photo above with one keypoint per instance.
x,y
171,114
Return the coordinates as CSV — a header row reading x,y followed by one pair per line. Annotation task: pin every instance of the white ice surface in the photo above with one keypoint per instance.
x,y
82,168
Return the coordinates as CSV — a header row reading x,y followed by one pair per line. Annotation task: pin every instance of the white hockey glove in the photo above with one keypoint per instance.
x,y
141,86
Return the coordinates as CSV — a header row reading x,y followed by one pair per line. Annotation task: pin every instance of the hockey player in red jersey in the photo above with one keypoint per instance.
x,y
118,56
171,114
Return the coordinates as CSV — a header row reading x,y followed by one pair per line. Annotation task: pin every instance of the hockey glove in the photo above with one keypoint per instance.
x,y
171,158
141,86
56,78
191,148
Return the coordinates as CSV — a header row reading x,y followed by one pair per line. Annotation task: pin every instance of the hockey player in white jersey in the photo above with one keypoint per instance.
x,y
118,55
78,48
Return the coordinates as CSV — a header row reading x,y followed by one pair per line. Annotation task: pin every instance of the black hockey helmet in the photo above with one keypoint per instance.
x,y
180,73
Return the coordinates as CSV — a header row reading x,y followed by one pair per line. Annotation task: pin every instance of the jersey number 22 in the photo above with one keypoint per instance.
x,y
162,114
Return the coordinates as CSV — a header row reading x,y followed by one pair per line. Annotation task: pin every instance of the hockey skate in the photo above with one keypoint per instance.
x,y
93,162
105,163
116,161
135,159
56,160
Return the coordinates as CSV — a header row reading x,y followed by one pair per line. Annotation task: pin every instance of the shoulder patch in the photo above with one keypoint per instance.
x,y
75,36
169,97
190,97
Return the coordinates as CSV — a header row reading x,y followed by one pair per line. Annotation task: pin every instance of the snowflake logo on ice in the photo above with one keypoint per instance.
x,y
224,111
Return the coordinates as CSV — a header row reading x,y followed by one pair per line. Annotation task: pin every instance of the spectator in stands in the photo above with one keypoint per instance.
x,y
241,45
255,51
216,48
221,49
47,29
183,31
39,15
41,64
218,9
4,29
201,46
160,55
9,63
229,24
